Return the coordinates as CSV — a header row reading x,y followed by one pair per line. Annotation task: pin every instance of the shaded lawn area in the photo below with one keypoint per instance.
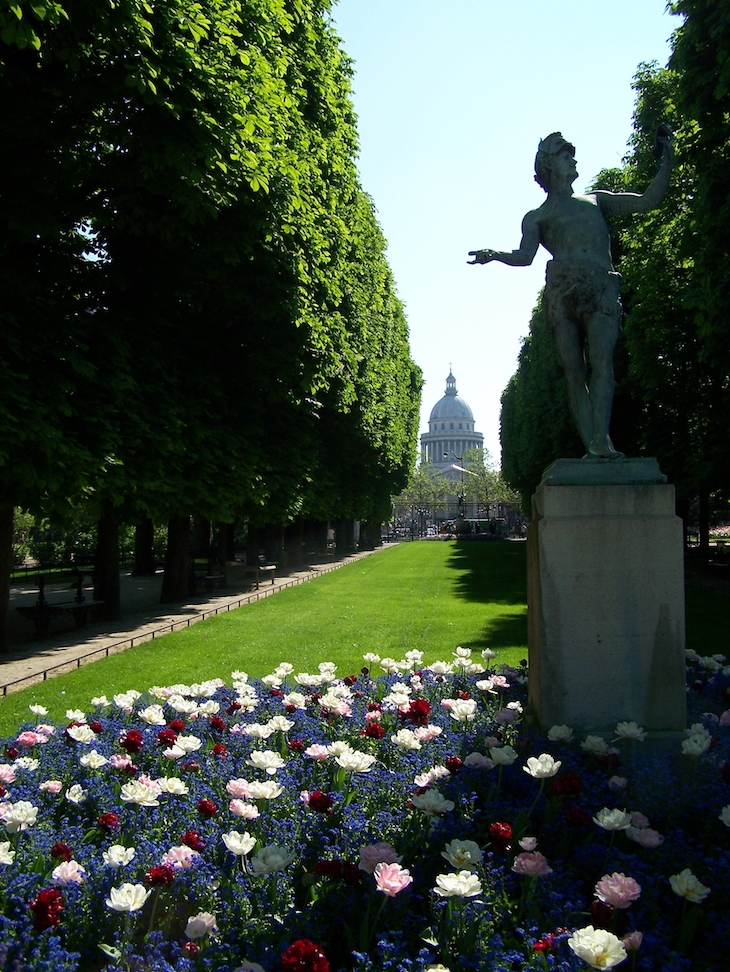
x,y
433,596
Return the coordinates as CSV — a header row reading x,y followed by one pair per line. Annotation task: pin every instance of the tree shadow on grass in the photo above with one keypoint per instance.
x,y
504,631
490,571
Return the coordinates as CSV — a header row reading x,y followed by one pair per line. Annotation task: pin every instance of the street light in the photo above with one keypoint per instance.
x,y
460,496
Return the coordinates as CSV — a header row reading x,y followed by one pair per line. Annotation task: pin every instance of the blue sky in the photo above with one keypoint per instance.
x,y
452,98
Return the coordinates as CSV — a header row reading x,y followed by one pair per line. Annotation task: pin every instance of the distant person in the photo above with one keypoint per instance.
x,y
582,287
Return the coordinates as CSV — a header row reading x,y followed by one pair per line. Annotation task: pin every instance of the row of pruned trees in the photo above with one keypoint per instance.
x,y
198,316
673,360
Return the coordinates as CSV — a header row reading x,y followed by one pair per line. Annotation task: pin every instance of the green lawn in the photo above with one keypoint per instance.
x,y
432,596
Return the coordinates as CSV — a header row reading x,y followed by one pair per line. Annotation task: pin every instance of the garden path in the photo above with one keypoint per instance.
x,y
142,618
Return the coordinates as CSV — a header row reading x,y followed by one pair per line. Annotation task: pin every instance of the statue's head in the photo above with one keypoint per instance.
x,y
547,151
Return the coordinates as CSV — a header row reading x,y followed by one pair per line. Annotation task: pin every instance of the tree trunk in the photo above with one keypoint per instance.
x,y
274,543
221,549
6,566
350,535
321,529
682,509
106,569
341,537
202,547
230,533
704,523
175,586
144,555
252,545
294,542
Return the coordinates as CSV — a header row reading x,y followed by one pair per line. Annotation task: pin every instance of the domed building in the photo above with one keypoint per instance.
x,y
451,432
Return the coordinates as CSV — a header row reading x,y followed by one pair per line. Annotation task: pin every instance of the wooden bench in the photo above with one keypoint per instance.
x,y
42,613
261,570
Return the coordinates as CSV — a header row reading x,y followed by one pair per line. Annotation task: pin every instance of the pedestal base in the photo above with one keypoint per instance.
x,y
606,598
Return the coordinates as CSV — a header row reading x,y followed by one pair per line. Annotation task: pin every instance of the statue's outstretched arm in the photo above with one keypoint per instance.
x,y
522,257
622,203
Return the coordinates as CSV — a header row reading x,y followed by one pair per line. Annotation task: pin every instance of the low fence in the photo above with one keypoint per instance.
x,y
106,650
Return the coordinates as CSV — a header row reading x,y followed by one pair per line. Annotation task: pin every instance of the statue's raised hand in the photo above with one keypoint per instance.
x,y
481,256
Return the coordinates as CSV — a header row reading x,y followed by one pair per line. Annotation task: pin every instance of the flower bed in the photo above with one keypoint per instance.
x,y
408,821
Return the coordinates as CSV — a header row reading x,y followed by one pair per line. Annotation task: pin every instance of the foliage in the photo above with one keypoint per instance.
x,y
536,427
484,483
208,825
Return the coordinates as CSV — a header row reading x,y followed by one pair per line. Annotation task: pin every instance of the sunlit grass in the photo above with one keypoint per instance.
x,y
432,596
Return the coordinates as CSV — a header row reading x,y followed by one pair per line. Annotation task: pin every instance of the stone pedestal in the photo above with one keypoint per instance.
x,y
606,598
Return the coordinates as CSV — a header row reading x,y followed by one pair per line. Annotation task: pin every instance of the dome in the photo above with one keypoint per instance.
x,y
451,406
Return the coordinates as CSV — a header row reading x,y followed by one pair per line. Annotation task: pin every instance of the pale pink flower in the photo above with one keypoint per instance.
x,y
374,854
725,718
506,716
499,681
632,941
239,808
372,716
174,752
318,753
180,857
528,843
199,925
51,786
119,762
645,836
532,864
477,759
239,789
618,890
391,878
426,733
69,872
617,783
639,820
29,738
7,773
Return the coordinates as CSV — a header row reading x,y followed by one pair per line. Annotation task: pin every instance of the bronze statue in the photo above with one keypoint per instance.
x,y
582,287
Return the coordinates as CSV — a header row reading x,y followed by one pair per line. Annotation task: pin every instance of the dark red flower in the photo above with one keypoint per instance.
x,y
220,750
190,949
96,727
207,809
576,816
601,913
464,695
417,712
453,764
108,821
160,875
166,737
349,680
233,707
191,838
365,670
500,834
191,766
46,908
3,791
331,869
373,730
319,801
217,723
177,725
725,771
11,752
290,708
61,852
569,784
374,707
296,745
610,762
131,740
304,956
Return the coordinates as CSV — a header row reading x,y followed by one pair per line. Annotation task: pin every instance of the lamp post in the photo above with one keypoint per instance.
x,y
460,496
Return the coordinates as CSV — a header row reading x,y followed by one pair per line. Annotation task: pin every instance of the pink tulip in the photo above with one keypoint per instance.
x,y
374,854
392,878
532,864
618,890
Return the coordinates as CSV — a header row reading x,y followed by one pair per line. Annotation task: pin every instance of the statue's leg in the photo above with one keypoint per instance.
x,y
602,331
568,335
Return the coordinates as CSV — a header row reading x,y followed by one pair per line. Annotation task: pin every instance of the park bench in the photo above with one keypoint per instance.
x,y
201,572
257,571
42,613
